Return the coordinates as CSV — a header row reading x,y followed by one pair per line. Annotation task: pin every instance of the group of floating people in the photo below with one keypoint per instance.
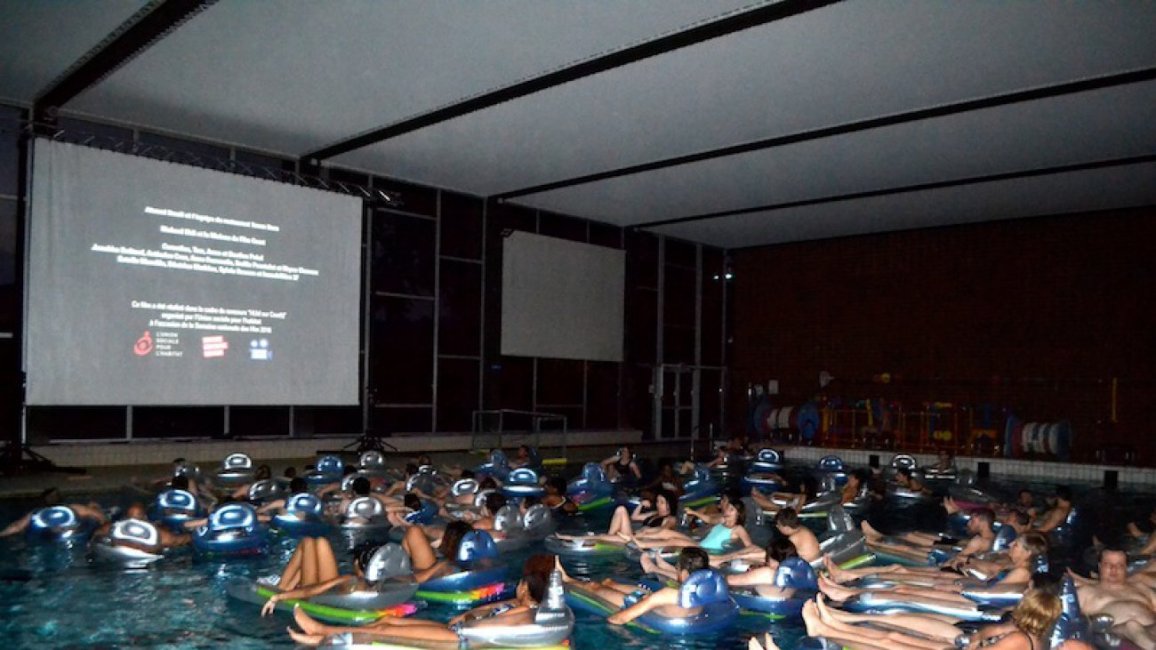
x,y
710,540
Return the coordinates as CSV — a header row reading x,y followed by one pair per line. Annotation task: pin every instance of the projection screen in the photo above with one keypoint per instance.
x,y
153,283
561,299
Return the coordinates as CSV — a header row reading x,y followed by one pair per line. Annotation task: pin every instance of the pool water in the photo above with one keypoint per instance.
x,y
52,597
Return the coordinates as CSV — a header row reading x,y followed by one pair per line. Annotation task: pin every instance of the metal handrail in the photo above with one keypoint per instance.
x,y
536,419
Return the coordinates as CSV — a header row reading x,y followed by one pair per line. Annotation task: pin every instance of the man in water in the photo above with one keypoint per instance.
x,y
1132,607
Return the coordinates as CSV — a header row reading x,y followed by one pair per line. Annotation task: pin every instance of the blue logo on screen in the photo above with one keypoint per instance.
x,y
259,350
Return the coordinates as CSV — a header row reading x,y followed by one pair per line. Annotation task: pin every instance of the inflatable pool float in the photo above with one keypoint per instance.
x,y
232,530
705,589
391,585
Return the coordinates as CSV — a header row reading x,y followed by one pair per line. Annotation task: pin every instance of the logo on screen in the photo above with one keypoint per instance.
x,y
259,350
143,345
213,346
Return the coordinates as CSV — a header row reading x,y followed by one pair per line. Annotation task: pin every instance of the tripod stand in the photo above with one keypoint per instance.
x,y
369,441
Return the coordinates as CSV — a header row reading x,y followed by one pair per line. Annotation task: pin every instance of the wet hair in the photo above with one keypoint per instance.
x,y
558,483
985,515
179,483
411,501
1110,548
781,548
1046,581
740,513
1035,543
360,486
671,500
1037,612
452,538
536,572
1064,492
787,518
809,487
494,502
297,485
734,496
692,558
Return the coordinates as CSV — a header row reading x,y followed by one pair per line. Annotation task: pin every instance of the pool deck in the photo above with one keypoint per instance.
x,y
113,466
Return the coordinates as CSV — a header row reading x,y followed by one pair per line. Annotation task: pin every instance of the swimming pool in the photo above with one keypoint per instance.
x,y
52,597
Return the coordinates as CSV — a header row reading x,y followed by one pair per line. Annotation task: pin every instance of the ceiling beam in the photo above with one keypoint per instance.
x,y
731,24
992,101
907,189
132,37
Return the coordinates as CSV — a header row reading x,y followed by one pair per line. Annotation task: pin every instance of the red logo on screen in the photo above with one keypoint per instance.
x,y
213,346
144,345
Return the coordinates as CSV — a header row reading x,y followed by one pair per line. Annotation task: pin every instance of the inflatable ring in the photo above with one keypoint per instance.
x,y
237,469
130,542
232,530
705,589
303,517
478,579
58,524
254,592
552,625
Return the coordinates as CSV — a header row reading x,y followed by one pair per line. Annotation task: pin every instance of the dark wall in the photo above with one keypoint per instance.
x,y
433,309
1033,316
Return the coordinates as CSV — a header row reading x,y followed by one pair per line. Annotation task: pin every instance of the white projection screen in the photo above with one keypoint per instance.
x,y
561,299
153,283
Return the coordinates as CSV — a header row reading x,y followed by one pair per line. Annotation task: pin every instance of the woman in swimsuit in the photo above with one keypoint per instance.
x,y
520,610
1032,619
729,532
663,516
621,467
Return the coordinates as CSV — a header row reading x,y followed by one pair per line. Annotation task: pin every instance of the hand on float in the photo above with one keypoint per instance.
x,y
270,604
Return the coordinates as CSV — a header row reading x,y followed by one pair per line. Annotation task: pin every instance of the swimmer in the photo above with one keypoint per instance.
x,y
1015,574
312,571
664,601
667,479
621,529
762,579
556,499
165,538
1132,607
530,592
728,532
1058,514
1032,621
917,544
621,467
907,480
90,511
807,492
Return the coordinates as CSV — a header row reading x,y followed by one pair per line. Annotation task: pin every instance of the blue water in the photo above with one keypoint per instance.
x,y
53,597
